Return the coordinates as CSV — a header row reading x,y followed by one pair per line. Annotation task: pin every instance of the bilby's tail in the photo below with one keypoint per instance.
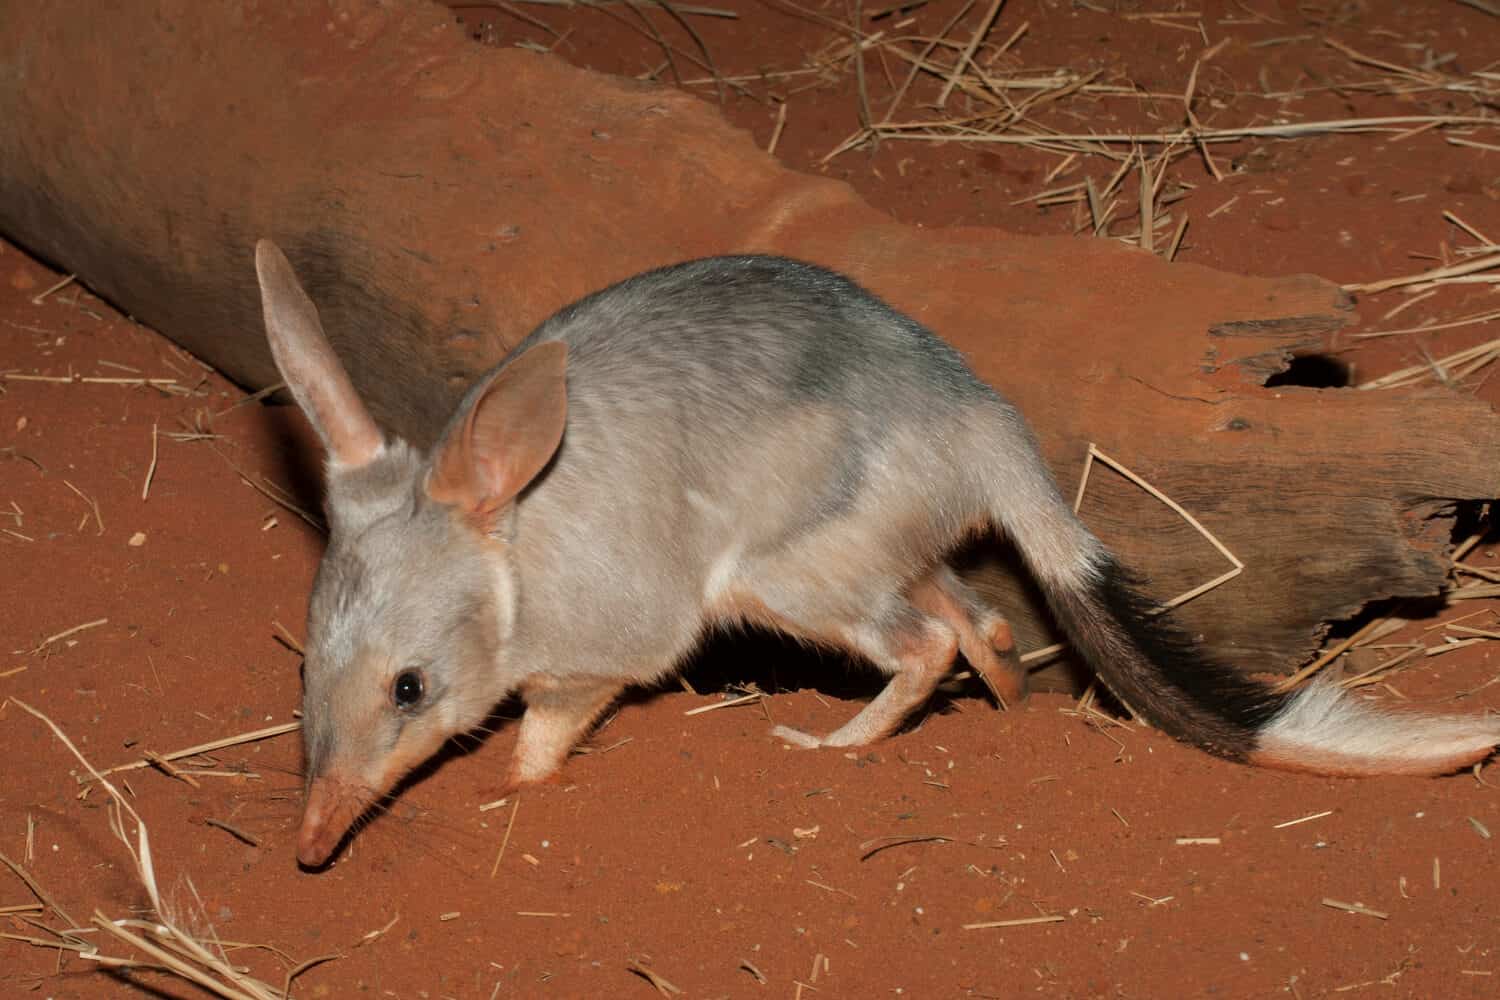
x,y
1164,677
1160,673
1324,729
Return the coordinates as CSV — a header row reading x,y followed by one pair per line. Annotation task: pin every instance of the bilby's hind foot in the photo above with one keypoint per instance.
x,y
916,650
1003,672
984,636
796,737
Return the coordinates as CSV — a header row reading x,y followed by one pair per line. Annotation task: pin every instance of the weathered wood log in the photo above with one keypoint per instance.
x,y
440,198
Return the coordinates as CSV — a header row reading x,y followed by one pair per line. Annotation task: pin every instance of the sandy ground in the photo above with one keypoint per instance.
x,y
154,578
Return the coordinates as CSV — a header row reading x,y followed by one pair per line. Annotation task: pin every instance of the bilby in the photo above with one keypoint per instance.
x,y
729,440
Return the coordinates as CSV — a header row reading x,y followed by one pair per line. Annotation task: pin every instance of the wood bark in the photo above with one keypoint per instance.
x,y
440,198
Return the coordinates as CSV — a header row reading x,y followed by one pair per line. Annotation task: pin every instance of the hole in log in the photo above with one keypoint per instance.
x,y
1313,371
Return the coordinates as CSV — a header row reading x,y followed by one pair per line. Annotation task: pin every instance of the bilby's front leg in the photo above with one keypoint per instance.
x,y
558,713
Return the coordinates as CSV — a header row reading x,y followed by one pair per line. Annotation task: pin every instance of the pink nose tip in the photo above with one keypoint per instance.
x,y
311,850
329,810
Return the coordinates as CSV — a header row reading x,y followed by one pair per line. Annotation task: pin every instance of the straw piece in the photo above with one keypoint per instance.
x,y
1303,819
1290,130
1470,357
505,841
731,703
1436,274
1338,650
41,297
209,747
1022,922
36,887
1359,908
663,986
1484,317
968,52
150,469
58,637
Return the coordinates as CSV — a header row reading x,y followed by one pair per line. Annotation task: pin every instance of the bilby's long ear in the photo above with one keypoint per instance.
x,y
509,433
309,366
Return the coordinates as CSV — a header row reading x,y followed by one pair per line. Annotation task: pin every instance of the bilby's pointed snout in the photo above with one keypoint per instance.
x,y
330,809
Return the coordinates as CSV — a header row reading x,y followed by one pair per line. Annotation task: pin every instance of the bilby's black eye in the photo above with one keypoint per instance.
x,y
406,690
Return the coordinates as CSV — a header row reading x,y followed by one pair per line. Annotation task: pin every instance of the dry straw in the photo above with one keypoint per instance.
x,y
1003,101
169,947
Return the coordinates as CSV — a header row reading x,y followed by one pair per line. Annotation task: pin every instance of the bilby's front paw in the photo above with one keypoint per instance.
x,y
796,737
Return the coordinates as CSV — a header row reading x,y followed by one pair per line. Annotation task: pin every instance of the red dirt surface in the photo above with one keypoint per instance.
x,y
726,863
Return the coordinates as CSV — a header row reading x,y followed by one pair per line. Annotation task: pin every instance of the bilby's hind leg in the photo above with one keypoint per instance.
x,y
916,649
558,712
984,636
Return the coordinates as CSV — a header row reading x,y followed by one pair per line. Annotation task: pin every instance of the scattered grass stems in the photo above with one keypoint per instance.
x,y
746,699
640,967
697,11
151,468
202,748
58,286
93,507
1437,275
1446,370
46,643
1236,566
1488,316
962,62
155,383
174,950
1358,908
505,841
1056,918
875,845
1303,819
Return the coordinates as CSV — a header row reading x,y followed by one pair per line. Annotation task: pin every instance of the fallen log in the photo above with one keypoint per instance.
x,y
439,198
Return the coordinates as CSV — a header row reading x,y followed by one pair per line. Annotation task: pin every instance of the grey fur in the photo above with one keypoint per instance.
x,y
700,418
738,427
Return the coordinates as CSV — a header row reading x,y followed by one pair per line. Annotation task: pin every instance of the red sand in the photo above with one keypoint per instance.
x,y
697,844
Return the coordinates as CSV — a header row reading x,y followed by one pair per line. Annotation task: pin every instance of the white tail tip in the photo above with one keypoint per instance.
x,y
1326,730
